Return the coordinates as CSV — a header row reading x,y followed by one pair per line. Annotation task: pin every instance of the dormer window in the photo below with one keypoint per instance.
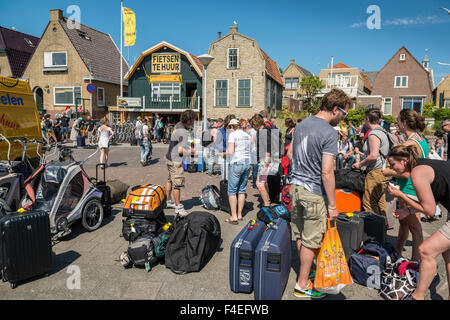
x,y
28,41
83,35
402,57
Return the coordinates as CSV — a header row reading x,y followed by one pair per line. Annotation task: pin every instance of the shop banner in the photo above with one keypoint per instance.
x,y
129,23
166,63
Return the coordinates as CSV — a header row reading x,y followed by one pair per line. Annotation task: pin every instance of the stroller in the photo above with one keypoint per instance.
x,y
64,190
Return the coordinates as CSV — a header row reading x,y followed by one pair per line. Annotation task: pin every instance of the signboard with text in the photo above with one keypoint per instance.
x,y
166,63
124,102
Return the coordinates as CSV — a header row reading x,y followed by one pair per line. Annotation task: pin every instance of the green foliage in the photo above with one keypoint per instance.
x,y
311,86
427,110
356,116
312,106
441,114
389,118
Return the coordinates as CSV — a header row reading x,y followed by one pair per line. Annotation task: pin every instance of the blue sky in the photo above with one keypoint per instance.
x,y
308,31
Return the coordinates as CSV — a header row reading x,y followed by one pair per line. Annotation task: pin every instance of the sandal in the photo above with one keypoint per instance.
x,y
233,222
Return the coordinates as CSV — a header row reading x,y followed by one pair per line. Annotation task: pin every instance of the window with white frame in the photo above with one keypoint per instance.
x,y
101,97
55,59
387,106
166,91
402,57
291,83
221,93
64,96
232,58
401,82
244,92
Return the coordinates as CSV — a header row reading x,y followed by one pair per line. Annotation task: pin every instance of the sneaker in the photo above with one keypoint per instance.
x,y
179,210
308,293
171,204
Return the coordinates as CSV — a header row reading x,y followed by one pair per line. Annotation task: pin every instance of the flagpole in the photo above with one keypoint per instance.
x,y
121,36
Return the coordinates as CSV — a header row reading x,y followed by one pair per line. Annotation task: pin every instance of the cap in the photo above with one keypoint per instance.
x,y
80,118
234,122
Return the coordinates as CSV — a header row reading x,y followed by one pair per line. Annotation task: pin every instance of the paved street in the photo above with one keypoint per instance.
x,y
96,254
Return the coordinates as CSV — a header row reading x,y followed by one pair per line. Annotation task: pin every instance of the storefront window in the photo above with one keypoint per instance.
x,y
165,90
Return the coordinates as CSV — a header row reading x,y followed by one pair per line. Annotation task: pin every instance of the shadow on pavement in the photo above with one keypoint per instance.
x,y
63,260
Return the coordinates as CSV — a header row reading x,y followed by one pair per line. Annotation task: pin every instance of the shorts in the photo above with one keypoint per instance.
x,y
445,230
176,174
261,179
238,178
64,129
309,217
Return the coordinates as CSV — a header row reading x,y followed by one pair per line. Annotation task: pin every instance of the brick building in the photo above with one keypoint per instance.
x,y
66,59
442,93
292,76
242,79
403,83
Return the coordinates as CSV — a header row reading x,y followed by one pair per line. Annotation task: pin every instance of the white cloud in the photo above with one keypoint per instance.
x,y
420,20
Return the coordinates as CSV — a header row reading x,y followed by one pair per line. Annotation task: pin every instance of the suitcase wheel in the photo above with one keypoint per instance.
x,y
13,285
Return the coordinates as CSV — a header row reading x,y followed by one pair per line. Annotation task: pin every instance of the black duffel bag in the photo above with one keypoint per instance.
x,y
193,242
350,179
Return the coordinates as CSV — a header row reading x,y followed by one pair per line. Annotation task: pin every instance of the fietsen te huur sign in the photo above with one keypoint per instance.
x,y
166,63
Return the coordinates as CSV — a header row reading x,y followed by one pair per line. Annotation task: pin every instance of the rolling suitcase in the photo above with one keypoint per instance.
x,y
375,226
273,261
25,246
224,202
274,186
351,229
347,200
242,254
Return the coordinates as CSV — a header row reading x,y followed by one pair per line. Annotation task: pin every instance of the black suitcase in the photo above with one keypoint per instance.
x,y
351,232
105,189
224,202
375,226
25,246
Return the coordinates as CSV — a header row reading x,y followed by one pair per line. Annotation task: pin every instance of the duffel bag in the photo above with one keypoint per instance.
x,y
141,252
132,228
193,242
399,279
367,265
269,214
210,197
350,179
118,190
145,201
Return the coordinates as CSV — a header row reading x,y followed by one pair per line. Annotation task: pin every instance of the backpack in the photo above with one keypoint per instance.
x,y
270,214
286,199
210,197
395,286
160,125
392,139
48,124
145,201
350,179
207,138
133,228
193,242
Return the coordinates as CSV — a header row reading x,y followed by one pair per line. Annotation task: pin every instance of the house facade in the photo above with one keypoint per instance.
x,y
166,80
242,79
403,83
66,60
16,49
292,76
348,79
442,93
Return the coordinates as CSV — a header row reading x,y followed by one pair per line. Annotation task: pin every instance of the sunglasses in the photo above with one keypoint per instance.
x,y
343,111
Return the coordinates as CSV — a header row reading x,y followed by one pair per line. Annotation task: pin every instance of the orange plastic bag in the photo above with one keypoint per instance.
x,y
332,272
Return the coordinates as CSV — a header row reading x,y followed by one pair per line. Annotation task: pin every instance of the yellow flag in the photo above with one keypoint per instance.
x,y
129,23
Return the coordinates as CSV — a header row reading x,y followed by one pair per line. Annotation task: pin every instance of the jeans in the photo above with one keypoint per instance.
x,y
238,177
158,134
340,161
254,174
145,150
211,159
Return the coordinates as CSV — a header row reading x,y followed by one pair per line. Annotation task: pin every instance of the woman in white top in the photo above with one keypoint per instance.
x,y
238,153
104,135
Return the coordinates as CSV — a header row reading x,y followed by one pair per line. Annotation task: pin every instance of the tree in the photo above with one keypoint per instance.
x,y
311,86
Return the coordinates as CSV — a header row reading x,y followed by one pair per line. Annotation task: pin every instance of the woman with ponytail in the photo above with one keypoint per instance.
x,y
431,182
410,124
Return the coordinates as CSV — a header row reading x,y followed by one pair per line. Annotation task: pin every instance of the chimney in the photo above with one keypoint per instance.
x,y
56,15
220,34
234,29
292,61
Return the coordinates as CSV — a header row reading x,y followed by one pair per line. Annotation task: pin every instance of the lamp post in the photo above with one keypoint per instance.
x,y
205,59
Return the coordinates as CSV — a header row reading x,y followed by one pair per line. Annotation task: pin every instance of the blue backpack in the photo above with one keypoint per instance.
x,y
367,264
270,214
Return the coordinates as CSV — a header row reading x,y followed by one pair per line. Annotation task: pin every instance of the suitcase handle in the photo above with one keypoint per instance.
x,y
273,259
245,255
104,171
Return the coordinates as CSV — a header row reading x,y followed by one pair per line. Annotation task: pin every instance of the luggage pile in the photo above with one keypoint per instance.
x,y
260,257
185,246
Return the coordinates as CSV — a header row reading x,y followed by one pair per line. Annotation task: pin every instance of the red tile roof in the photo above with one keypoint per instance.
x,y
197,61
366,81
340,65
19,48
272,69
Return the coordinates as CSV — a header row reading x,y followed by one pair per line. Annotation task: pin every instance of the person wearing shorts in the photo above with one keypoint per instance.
x,y
178,148
238,152
312,153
